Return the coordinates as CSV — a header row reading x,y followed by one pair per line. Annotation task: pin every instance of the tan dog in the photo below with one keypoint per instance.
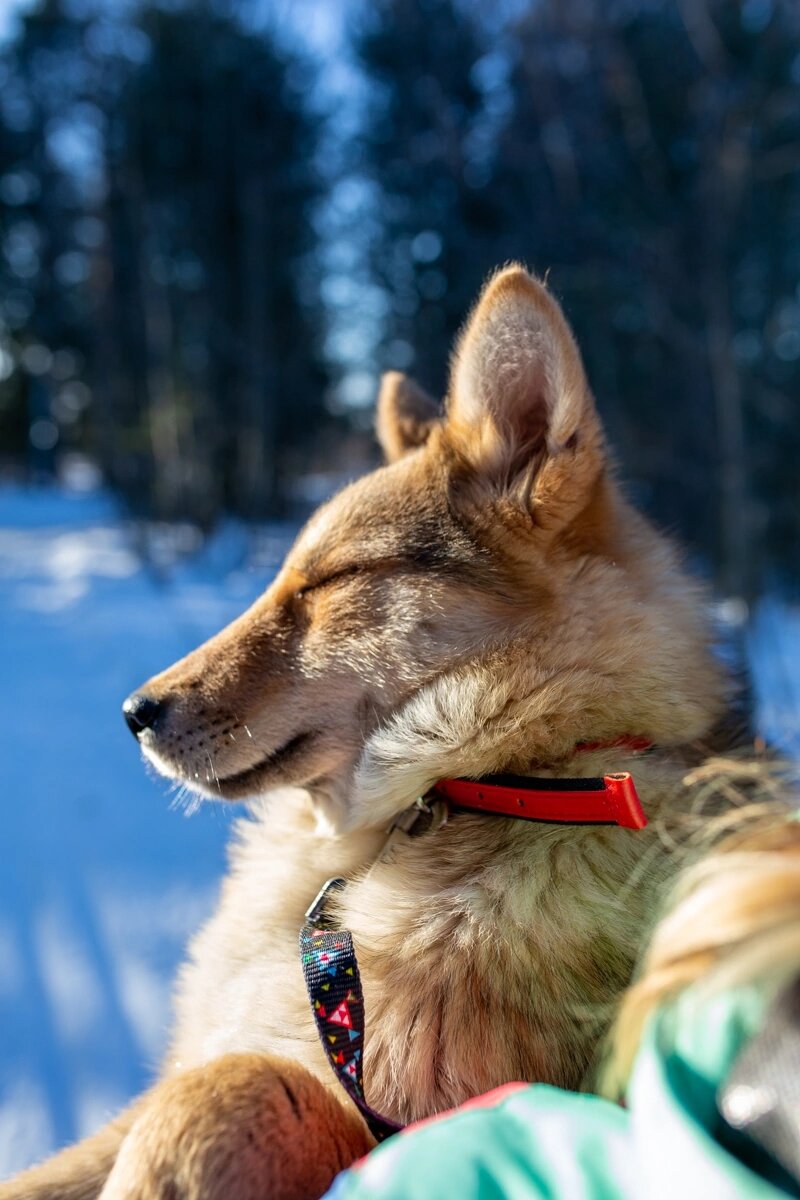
x,y
485,602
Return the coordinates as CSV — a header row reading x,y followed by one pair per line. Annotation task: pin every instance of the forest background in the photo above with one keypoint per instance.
x,y
219,222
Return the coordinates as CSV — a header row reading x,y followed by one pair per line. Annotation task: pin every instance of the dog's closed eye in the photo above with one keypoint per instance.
x,y
315,585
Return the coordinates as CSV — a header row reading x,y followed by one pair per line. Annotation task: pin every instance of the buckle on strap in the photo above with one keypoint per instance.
x,y
426,813
422,816
315,913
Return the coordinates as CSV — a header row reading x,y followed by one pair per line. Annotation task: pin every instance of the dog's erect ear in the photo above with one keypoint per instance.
x,y
406,415
520,413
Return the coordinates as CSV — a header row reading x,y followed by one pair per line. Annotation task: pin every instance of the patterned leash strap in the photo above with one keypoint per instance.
x,y
337,1002
331,973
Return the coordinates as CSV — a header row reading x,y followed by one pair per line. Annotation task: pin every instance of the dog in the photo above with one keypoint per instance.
x,y
487,601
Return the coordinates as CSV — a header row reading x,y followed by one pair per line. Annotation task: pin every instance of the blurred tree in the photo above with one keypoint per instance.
x,y
651,162
45,108
646,156
157,194
422,147
212,344
159,262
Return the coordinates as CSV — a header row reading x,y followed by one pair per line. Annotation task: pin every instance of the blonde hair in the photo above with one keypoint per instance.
x,y
733,915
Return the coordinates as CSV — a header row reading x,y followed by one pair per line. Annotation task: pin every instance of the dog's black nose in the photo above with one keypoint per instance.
x,y
141,712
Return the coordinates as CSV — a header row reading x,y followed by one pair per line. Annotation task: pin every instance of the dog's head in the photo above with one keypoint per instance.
x,y
484,601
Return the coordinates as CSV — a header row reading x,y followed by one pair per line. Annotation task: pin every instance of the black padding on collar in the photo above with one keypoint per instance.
x,y
530,783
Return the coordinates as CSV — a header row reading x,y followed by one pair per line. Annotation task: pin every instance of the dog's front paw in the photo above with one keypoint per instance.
x,y
244,1126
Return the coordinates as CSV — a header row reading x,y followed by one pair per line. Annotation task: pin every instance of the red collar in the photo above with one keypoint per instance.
x,y
607,800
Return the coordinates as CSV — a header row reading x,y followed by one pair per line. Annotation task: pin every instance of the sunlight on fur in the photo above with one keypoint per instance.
x,y
487,601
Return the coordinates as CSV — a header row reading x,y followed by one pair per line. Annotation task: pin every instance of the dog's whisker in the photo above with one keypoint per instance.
x,y
214,774
184,799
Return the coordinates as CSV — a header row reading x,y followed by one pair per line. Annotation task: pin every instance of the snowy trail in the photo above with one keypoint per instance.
x,y
102,882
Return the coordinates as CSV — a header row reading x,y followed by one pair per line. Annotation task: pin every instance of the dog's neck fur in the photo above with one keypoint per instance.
x,y
489,949
548,918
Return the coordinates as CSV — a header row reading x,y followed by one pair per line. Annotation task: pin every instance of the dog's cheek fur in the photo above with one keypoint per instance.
x,y
602,664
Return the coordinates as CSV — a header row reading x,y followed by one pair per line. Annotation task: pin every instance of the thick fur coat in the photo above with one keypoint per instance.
x,y
485,602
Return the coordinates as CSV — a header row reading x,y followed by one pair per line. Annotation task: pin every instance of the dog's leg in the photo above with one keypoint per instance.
x,y
245,1126
77,1173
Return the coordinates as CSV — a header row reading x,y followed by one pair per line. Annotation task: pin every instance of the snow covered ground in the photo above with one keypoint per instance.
x,y
101,879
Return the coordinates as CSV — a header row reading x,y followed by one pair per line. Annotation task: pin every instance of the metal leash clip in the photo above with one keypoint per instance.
x,y
425,814
315,912
422,816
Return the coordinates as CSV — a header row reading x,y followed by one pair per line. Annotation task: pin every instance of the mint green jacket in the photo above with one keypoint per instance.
x,y
530,1142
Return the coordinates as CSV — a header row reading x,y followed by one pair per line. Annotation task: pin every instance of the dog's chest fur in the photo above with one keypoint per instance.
x,y
489,950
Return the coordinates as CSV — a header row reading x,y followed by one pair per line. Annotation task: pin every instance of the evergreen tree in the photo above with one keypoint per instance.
x,y
45,109
650,163
157,308
210,193
421,148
